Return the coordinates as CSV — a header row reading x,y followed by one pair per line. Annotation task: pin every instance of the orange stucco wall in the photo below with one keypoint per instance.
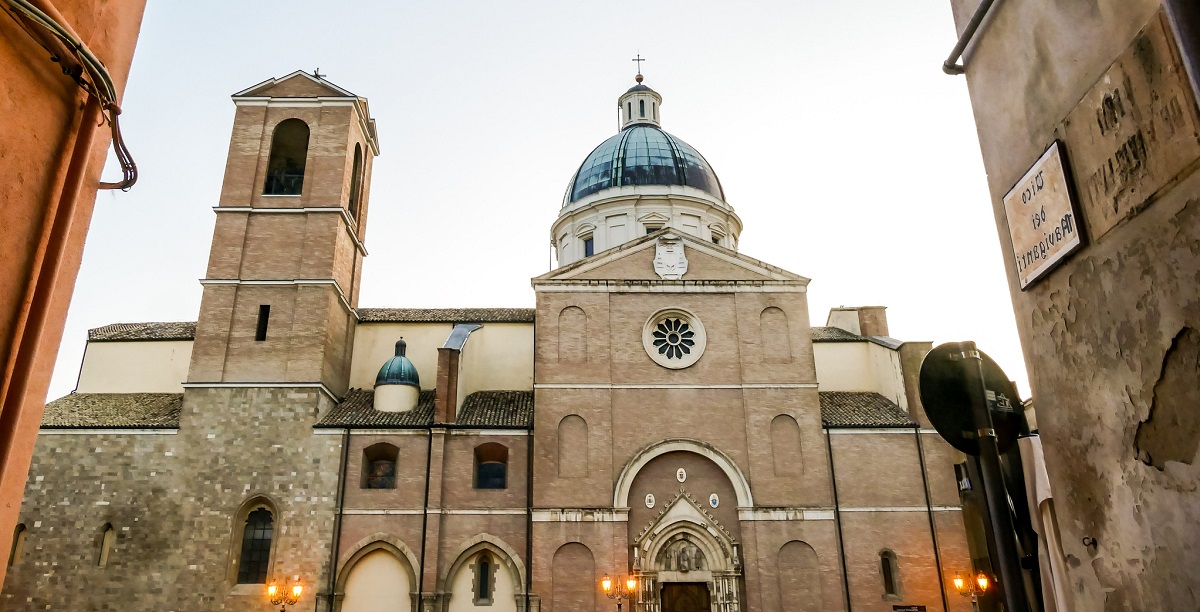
x,y
46,140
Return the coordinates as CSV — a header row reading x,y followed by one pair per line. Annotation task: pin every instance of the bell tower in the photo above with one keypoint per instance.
x,y
286,258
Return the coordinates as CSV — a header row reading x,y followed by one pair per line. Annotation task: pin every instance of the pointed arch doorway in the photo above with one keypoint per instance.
x,y
685,561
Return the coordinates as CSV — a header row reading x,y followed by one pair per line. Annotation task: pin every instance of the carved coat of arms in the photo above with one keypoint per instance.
x,y
669,261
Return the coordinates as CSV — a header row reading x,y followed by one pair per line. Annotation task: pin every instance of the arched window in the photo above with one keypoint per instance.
x,y
891,573
255,557
654,108
18,545
107,537
483,579
491,466
289,151
379,466
356,182
641,108
629,110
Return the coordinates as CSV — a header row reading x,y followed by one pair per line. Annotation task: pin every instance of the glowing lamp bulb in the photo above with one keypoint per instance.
x,y
272,589
606,584
960,585
982,581
631,585
296,590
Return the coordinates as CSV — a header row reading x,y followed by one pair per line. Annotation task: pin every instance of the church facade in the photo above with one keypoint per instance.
x,y
664,416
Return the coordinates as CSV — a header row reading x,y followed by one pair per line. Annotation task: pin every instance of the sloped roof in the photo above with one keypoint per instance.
x,y
835,334
445,315
175,330
114,411
318,82
497,409
480,409
357,410
861,409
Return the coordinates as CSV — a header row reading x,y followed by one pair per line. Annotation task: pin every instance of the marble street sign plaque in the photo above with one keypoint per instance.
x,y
1042,219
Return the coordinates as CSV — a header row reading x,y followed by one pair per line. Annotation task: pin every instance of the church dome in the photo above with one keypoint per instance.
x,y
398,370
643,154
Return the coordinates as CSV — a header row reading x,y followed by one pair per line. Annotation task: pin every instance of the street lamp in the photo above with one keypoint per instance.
x,y
972,588
617,590
284,597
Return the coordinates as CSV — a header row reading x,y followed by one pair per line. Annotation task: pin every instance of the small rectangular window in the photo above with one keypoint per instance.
x,y
650,229
264,314
589,247
716,239
641,108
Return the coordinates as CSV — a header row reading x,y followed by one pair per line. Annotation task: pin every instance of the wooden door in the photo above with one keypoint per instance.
x,y
685,597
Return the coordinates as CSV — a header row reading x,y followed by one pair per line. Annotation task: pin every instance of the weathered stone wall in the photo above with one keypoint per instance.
x,y
172,499
1110,335
79,481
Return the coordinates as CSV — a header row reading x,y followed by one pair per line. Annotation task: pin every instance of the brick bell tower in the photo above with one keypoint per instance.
x,y
286,259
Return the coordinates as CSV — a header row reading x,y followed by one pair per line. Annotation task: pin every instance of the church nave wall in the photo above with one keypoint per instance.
x,y
80,481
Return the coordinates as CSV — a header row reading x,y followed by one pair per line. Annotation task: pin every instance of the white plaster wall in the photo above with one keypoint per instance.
x,y
889,379
617,215
135,367
860,366
378,583
463,600
497,357
375,343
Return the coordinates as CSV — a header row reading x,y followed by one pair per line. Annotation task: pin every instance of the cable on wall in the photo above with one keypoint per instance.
x,y
81,65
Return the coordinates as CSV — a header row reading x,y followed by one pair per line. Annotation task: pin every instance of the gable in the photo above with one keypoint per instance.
x,y
298,84
634,261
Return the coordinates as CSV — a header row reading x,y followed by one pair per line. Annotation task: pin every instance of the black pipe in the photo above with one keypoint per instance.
x,y
951,65
337,521
937,556
528,516
425,523
1008,561
837,522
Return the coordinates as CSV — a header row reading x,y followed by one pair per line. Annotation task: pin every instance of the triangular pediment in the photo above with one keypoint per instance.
x,y
298,84
706,263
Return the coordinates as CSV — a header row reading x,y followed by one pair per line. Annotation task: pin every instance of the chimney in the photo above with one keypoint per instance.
x,y
446,400
861,320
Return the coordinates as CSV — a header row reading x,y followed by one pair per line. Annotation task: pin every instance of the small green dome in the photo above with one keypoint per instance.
x,y
398,370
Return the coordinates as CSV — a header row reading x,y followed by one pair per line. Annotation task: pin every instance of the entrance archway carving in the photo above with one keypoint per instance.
x,y
685,544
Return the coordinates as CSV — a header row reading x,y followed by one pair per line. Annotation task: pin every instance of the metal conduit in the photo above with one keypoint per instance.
x,y
951,65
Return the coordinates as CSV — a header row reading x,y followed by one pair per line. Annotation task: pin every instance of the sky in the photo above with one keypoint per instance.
x,y
849,156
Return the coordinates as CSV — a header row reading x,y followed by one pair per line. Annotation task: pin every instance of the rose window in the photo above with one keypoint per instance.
x,y
674,338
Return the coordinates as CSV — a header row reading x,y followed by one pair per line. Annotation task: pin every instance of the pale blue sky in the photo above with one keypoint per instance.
x,y
849,156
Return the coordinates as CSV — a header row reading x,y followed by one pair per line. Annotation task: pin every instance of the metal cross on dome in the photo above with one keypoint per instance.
x,y
639,61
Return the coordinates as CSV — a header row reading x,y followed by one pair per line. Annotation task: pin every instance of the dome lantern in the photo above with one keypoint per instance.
x,y
639,105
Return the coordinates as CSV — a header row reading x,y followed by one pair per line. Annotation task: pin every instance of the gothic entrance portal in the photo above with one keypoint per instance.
x,y
685,561
685,597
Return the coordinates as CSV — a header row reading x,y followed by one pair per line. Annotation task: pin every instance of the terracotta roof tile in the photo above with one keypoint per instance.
x,y
861,409
177,330
114,410
497,409
480,409
357,410
835,334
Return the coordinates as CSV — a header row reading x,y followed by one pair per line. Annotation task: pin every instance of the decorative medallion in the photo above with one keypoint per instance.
x,y
649,500
674,338
669,261
681,475
713,500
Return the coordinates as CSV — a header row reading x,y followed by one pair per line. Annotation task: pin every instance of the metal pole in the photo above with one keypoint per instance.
x,y
1007,560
